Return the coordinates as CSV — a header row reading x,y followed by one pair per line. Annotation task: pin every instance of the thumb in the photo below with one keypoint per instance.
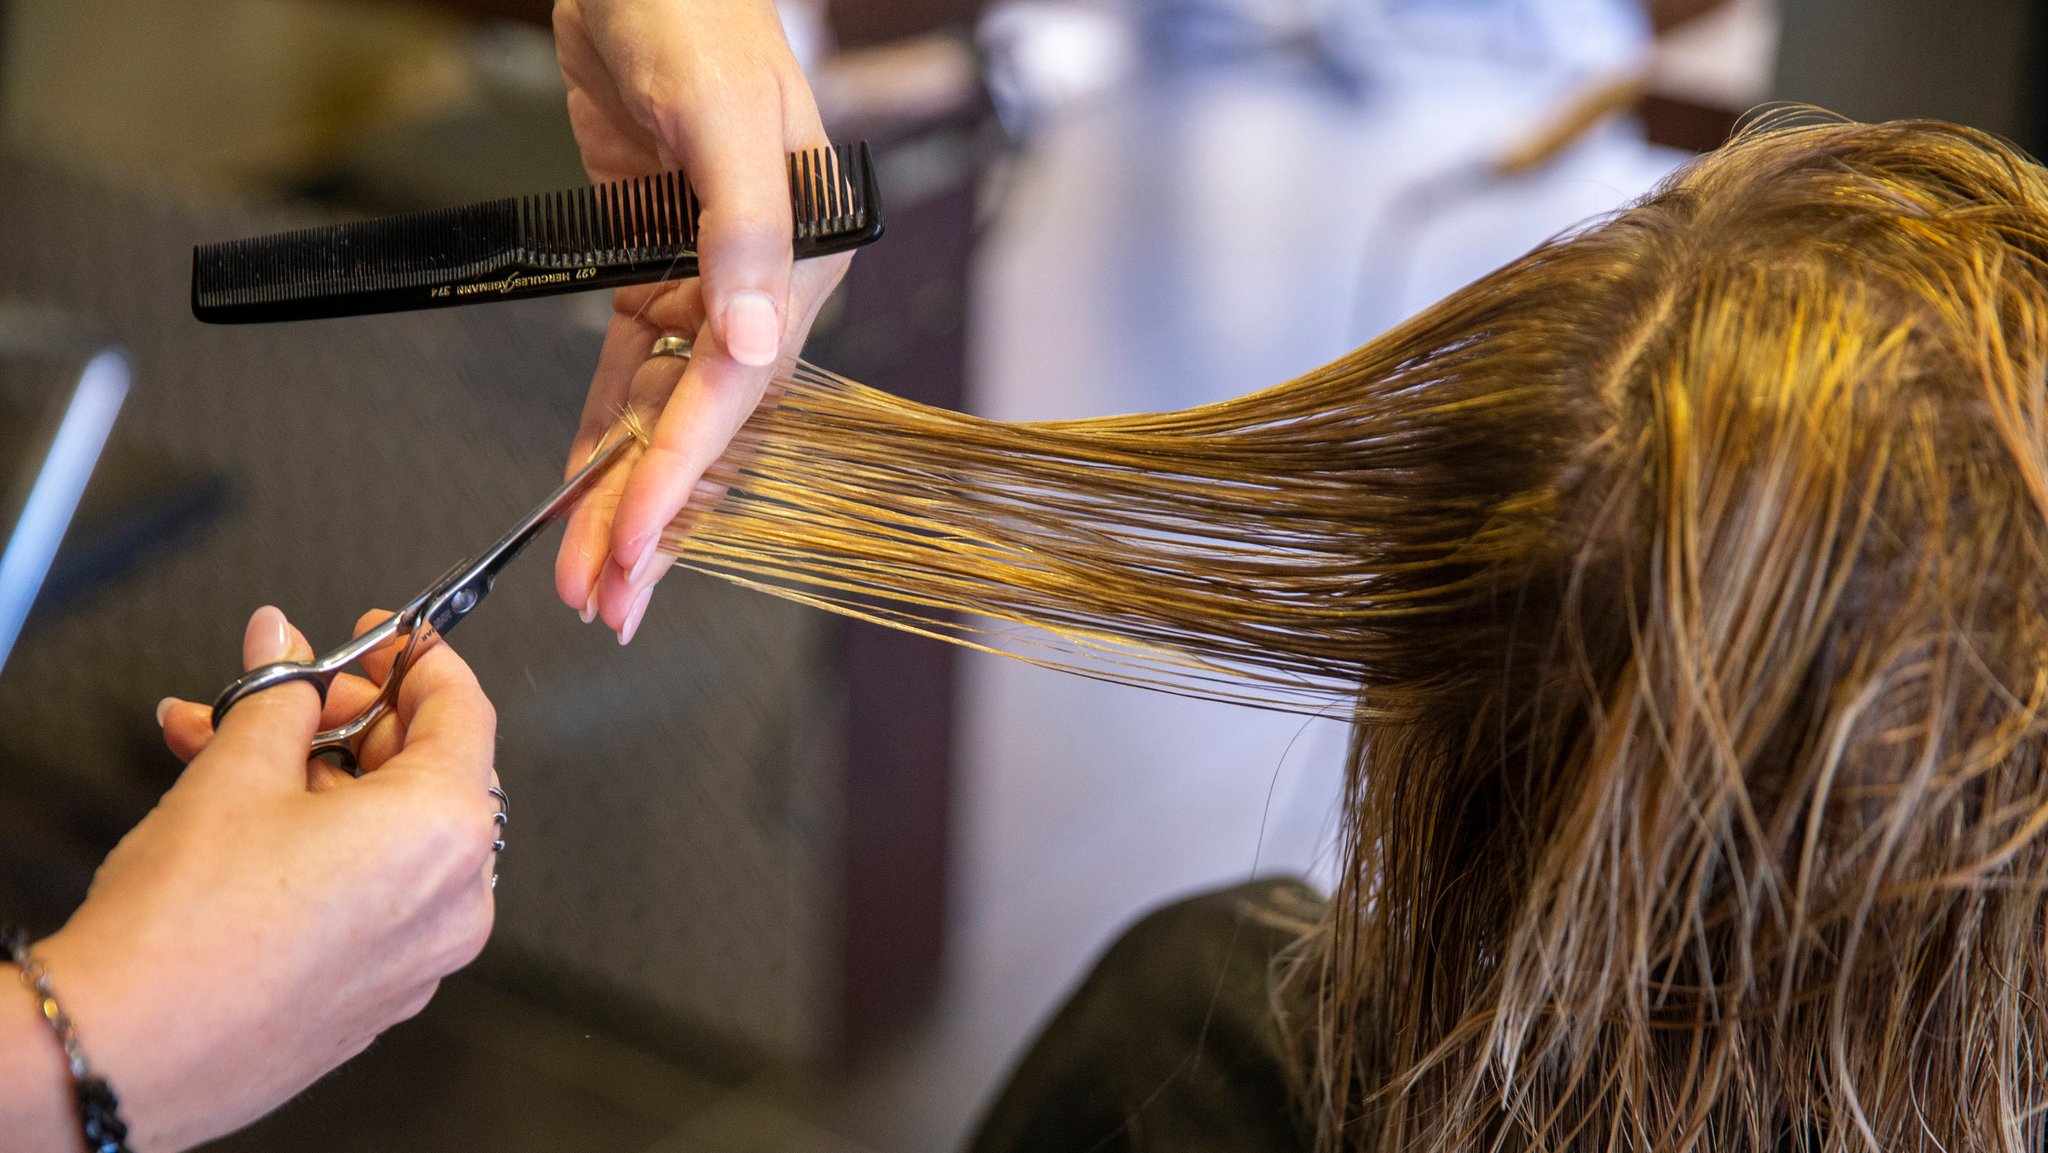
x,y
743,244
265,737
725,107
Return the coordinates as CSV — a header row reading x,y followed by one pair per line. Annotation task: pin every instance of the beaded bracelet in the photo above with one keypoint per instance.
x,y
99,1111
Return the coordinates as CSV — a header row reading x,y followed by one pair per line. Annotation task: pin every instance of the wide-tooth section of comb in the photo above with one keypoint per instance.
x,y
624,232
829,191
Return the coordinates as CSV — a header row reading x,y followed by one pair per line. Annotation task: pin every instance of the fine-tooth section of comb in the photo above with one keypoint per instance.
x,y
625,232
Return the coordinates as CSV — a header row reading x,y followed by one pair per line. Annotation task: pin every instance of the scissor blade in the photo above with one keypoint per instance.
x,y
468,584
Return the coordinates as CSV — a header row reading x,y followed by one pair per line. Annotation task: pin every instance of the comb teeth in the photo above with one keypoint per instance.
x,y
631,219
623,232
412,250
827,190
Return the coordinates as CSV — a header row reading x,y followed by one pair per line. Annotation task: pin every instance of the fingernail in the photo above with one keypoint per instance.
x,y
645,567
590,604
267,639
163,709
633,618
751,333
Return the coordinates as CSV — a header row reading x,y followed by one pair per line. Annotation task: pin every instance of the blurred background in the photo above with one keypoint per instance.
x,y
777,882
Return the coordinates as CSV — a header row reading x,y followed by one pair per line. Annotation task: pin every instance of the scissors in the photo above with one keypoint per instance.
x,y
437,609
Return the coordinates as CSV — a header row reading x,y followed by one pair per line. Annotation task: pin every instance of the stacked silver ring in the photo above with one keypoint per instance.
x,y
501,818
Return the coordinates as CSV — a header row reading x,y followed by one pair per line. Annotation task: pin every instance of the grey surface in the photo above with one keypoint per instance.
x,y
669,812
1962,60
479,1070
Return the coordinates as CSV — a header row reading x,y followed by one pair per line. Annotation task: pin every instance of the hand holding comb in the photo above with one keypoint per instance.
x,y
625,232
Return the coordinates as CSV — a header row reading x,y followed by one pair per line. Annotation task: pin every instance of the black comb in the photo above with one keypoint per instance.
x,y
625,232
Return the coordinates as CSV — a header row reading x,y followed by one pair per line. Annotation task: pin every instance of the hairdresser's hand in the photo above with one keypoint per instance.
x,y
262,925
709,86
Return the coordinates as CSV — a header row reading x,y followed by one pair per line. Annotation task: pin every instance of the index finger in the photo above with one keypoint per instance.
x,y
450,725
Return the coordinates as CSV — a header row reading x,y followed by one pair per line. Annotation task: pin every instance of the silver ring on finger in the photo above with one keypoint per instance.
x,y
499,820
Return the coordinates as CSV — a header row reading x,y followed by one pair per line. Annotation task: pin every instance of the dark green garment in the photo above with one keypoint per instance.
x,y
1171,1045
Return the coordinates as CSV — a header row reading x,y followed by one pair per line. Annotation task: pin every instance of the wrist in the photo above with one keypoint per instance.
x,y
90,995
35,1083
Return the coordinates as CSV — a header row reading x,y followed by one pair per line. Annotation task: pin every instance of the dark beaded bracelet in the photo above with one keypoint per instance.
x,y
99,1111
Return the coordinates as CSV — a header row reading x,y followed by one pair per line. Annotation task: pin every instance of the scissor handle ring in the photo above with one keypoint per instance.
x,y
270,676
339,751
336,744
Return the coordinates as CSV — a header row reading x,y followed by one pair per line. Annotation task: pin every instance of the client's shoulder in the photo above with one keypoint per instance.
x,y
1177,954
1172,1043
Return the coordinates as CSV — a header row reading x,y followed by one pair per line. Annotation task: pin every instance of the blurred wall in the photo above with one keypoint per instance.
x,y
1972,61
225,92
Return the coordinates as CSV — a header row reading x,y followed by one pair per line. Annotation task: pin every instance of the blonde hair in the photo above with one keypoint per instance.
x,y
1688,579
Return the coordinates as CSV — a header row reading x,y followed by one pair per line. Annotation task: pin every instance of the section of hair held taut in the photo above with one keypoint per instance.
x,y
1258,550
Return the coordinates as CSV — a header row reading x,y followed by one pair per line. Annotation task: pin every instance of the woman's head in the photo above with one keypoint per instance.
x,y
1740,840
1695,570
